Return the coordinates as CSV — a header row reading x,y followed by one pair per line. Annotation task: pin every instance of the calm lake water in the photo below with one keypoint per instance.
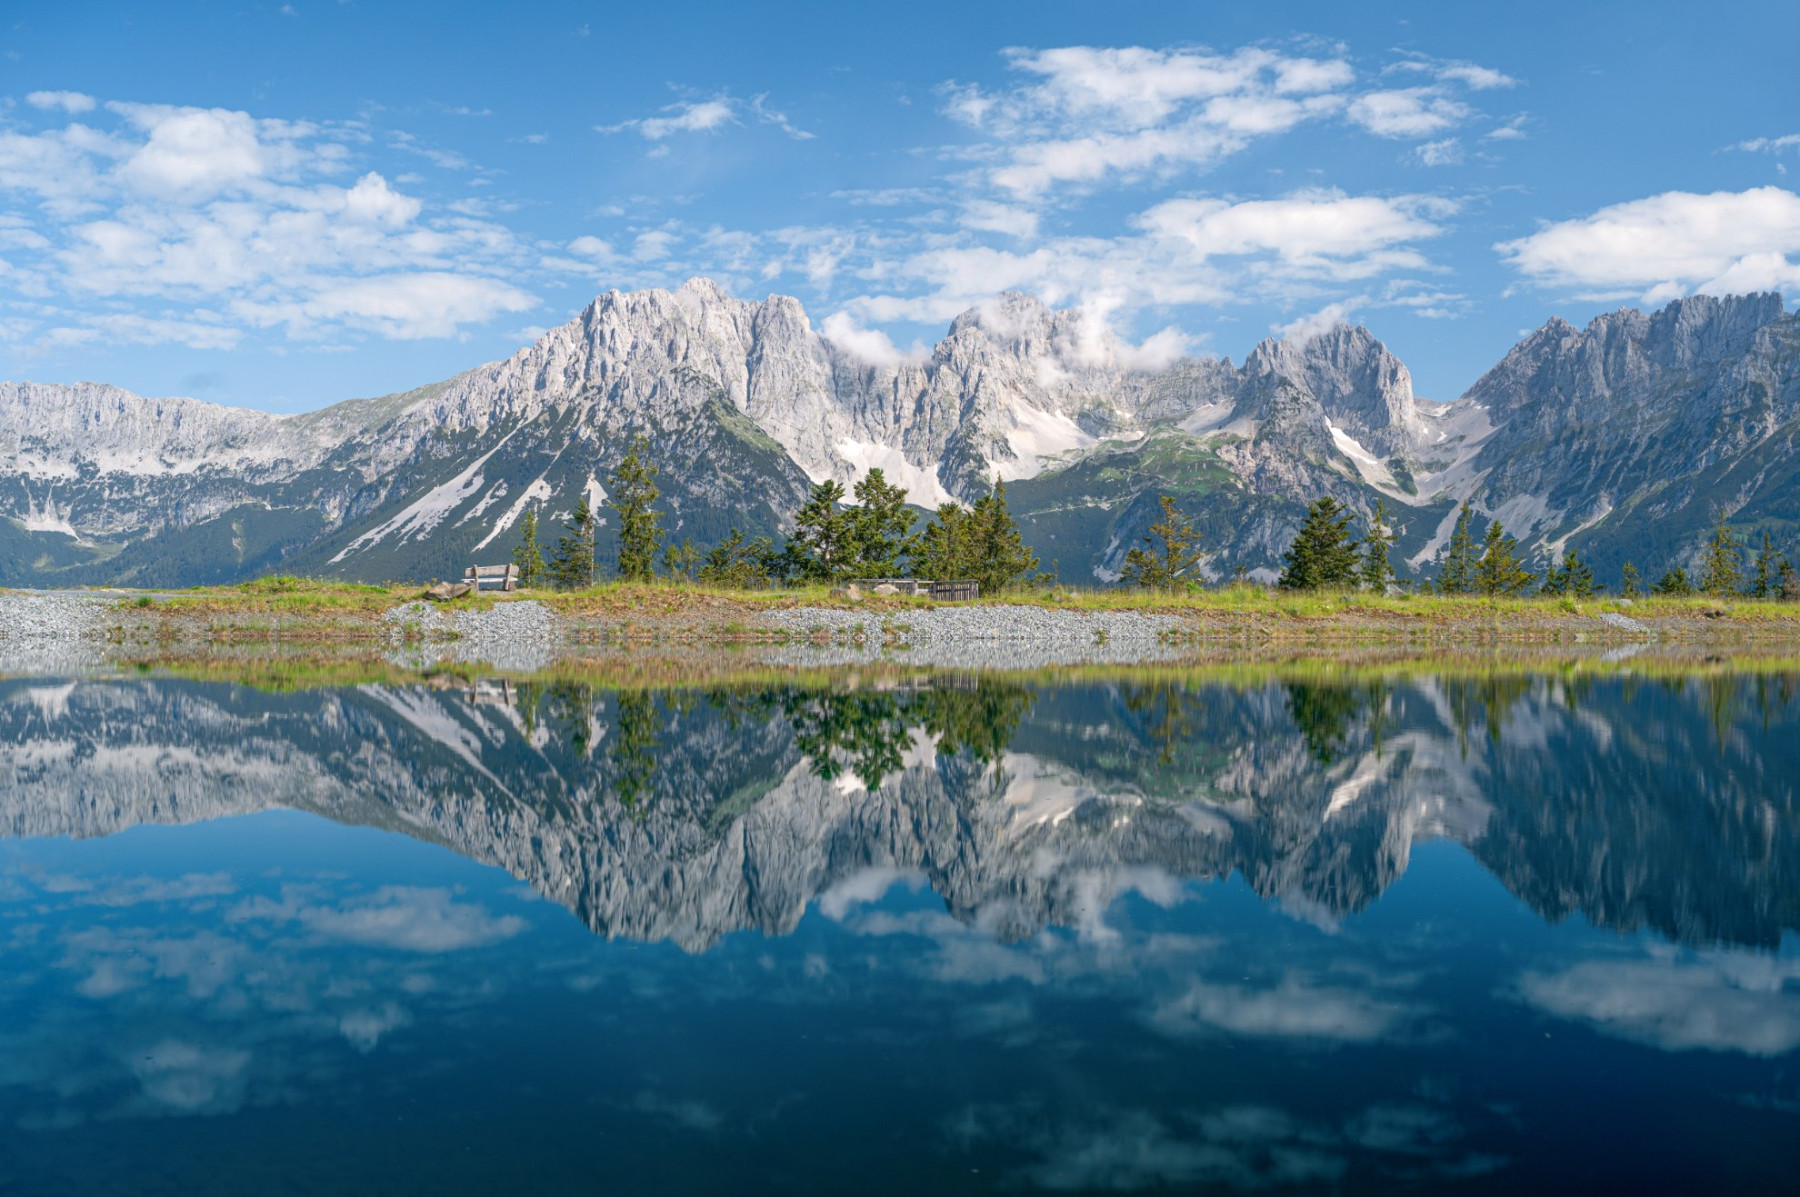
x,y
1493,934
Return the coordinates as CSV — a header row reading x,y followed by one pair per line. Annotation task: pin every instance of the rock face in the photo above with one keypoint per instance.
x,y
685,820
1621,439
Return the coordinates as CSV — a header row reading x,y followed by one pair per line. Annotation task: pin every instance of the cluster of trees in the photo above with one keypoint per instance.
x,y
868,533
1325,555
1722,574
865,534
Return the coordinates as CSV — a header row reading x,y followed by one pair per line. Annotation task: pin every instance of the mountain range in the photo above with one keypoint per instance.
x,y
1626,439
685,817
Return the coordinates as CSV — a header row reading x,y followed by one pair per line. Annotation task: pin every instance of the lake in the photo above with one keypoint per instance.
x,y
1356,932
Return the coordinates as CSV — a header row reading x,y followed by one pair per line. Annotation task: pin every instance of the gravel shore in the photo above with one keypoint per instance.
x,y
974,637
52,633
516,637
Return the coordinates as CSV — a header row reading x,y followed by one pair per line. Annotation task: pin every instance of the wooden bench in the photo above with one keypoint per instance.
x,y
960,591
493,577
956,592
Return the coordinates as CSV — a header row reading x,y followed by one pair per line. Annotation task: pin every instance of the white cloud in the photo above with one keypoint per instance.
x,y
401,917
1474,77
404,306
1338,234
1723,1001
1293,1009
191,151
1307,327
1407,112
244,224
1669,245
72,102
867,345
759,108
693,116
1769,145
1447,152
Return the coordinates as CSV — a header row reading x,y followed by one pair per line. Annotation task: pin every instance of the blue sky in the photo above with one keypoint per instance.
x,y
283,205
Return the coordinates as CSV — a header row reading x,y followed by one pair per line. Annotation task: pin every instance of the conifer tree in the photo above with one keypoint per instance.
x,y
1499,571
1630,584
880,526
1377,567
633,491
1323,555
1458,574
733,562
572,561
1763,583
1674,583
824,542
680,560
1721,571
1000,557
1787,582
526,554
1170,554
945,549
1574,577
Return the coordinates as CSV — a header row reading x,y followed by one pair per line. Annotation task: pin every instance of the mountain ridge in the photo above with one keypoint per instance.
x,y
1619,438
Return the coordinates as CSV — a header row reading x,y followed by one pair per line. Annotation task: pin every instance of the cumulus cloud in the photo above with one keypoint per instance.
x,y
240,223
1407,112
407,918
1723,1002
72,102
1669,245
870,346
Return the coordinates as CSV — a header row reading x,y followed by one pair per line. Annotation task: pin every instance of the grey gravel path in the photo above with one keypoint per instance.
x,y
52,633
998,637
520,636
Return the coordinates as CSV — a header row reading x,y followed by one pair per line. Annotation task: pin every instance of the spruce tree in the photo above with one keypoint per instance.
x,y
1721,570
999,552
1763,583
824,540
1323,555
1171,551
633,491
1787,582
1630,584
1458,574
945,549
1574,577
572,561
1499,571
1377,566
1674,583
880,525
526,554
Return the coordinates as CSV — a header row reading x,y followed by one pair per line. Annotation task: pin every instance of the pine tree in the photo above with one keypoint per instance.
x,y
526,554
1721,571
572,561
1787,582
633,491
1630,584
680,561
1574,577
733,562
1499,571
880,525
1674,583
1377,567
945,550
1172,551
1763,583
1323,555
1000,557
1458,574
824,542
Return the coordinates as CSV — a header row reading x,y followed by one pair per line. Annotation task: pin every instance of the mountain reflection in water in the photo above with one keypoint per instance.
x,y
1139,932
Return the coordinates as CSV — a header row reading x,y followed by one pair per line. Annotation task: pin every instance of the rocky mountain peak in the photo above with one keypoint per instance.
x,y
1360,387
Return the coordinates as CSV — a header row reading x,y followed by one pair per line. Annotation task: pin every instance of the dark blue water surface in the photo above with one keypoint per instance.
x,y
940,936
